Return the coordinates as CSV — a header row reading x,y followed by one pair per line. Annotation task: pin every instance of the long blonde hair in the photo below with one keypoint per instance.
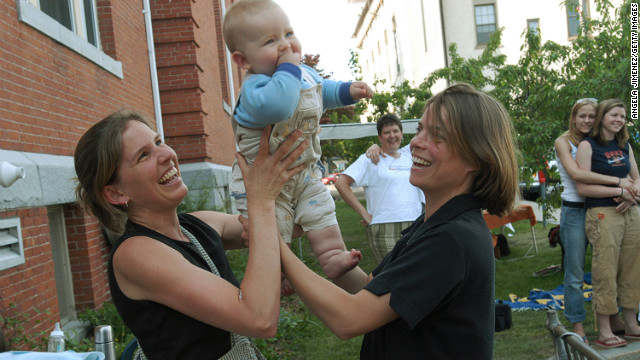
x,y
573,134
481,131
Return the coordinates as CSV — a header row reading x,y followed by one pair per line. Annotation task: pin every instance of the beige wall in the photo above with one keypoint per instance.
x,y
417,19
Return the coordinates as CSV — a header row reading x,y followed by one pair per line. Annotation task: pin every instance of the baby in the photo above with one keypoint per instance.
x,y
278,90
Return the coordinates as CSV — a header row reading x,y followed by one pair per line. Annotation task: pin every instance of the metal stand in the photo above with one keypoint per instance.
x,y
569,345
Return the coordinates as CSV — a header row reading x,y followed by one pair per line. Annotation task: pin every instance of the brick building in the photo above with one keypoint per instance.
x,y
65,65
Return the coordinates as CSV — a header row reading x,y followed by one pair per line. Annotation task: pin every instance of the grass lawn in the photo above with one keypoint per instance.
x,y
302,336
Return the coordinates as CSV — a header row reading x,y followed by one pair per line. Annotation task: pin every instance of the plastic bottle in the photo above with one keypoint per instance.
x,y
56,340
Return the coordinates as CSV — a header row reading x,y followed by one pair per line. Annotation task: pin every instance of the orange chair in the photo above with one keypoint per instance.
x,y
521,212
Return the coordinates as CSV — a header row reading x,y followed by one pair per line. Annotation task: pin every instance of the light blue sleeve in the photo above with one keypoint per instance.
x,y
334,93
268,100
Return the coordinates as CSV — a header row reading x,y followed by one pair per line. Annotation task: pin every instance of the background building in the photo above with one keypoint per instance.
x,y
407,40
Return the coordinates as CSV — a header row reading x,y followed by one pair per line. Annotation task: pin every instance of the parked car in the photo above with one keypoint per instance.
x,y
532,192
330,179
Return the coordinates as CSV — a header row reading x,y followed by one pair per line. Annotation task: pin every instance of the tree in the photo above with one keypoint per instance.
x,y
541,88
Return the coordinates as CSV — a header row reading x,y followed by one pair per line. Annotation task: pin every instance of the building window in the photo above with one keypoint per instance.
x,y
534,26
78,16
485,22
72,23
575,9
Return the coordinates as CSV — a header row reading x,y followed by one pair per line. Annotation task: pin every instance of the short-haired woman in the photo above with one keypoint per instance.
x,y
436,286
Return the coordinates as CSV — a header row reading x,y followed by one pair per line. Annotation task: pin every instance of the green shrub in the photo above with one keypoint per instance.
x,y
106,315
12,323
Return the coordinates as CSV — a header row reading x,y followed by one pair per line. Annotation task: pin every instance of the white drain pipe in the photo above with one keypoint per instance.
x,y
153,69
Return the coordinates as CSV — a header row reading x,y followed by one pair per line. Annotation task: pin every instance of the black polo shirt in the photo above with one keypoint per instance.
x,y
441,277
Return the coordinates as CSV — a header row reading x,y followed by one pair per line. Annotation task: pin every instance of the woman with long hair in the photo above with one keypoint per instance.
x,y
572,212
612,223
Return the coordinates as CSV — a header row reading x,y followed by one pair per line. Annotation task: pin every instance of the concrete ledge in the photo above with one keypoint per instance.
x,y
208,185
629,352
49,180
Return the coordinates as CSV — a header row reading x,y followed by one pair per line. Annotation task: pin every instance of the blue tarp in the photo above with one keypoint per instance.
x,y
541,300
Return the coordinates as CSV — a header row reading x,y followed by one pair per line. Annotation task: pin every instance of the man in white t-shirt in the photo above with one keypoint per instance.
x,y
392,202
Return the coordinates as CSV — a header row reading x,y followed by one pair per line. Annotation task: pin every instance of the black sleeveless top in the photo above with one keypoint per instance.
x,y
164,333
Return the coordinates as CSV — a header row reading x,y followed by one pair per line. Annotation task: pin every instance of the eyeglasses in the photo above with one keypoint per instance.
x,y
587,100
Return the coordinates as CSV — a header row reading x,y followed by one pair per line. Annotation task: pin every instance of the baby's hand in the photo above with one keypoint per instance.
x,y
360,90
292,57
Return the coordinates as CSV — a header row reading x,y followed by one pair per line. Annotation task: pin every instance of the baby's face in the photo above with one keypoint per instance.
x,y
267,39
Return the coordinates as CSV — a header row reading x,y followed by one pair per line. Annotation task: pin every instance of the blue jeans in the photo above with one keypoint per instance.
x,y
574,242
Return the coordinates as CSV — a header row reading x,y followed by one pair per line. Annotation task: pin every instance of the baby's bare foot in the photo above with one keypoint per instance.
x,y
340,264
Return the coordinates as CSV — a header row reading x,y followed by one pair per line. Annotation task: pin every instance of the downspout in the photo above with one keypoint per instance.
x,y
444,41
232,94
153,69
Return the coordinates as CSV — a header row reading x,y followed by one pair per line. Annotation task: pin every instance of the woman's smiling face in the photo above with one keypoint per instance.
x,y
437,168
613,121
585,116
148,172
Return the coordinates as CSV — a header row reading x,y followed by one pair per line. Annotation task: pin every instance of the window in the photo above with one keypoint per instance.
x,y
78,16
534,26
72,23
485,22
574,11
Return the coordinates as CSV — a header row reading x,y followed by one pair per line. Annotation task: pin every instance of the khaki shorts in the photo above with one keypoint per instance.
x,y
304,200
615,266
383,237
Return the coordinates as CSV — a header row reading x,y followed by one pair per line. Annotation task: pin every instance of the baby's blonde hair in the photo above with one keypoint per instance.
x,y
238,16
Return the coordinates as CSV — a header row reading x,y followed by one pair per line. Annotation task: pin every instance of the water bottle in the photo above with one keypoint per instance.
x,y
56,340
103,335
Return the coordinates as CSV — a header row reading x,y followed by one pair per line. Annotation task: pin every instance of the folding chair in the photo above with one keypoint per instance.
x,y
522,212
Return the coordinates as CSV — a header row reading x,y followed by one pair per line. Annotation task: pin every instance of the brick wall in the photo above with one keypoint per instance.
x,y
88,254
193,80
31,287
49,96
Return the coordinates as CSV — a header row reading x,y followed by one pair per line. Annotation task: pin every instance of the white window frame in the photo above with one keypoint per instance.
x,y
29,12
475,18
577,15
536,22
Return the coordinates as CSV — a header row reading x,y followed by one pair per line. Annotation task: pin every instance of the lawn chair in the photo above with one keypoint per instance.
x,y
569,345
132,351
522,212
